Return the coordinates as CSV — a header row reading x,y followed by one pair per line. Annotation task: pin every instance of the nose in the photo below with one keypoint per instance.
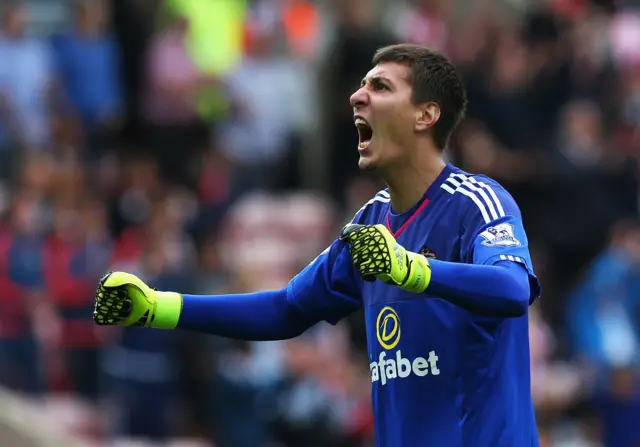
x,y
359,99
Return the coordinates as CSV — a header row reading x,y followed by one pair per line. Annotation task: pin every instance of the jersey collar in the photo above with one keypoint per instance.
x,y
400,222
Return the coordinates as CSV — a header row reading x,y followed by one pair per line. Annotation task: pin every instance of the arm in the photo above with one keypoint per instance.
x,y
501,290
327,289
268,315
492,288
495,277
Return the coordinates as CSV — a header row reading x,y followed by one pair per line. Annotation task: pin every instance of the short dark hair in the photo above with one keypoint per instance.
x,y
433,79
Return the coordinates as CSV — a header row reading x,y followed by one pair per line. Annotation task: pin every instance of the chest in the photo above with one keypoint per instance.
x,y
436,233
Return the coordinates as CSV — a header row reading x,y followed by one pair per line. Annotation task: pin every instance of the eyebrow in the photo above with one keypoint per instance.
x,y
376,78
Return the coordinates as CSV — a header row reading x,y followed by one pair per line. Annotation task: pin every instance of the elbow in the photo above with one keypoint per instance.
x,y
519,307
517,296
288,334
295,322
293,326
515,291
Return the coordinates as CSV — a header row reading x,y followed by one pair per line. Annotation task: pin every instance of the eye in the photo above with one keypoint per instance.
x,y
379,86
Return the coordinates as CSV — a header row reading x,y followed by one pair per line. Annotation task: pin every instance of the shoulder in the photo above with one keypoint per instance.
x,y
370,209
479,195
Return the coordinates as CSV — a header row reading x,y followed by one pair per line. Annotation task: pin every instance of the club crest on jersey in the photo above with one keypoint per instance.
x,y
501,235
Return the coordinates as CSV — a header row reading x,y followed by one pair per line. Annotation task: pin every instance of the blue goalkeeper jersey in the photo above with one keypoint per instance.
x,y
441,376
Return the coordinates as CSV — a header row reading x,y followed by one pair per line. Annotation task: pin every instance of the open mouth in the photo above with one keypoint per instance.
x,y
364,132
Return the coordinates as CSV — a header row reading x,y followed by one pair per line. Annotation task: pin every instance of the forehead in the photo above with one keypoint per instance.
x,y
393,71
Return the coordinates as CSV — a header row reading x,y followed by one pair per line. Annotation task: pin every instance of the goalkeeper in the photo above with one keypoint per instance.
x,y
439,261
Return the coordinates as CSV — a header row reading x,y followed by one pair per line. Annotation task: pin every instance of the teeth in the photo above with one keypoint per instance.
x,y
361,123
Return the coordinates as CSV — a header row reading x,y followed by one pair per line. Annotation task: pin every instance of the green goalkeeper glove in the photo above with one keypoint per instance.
x,y
376,254
124,299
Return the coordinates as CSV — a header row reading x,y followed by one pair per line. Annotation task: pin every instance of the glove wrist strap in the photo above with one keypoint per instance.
x,y
168,310
419,273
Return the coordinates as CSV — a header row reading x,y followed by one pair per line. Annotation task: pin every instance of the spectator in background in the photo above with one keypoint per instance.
x,y
75,257
141,367
242,399
245,376
626,129
88,60
26,86
28,323
175,132
425,22
557,386
321,400
200,353
211,275
603,309
159,225
498,93
600,184
265,93
142,372
305,411
301,21
592,72
549,86
214,191
605,327
618,407
356,38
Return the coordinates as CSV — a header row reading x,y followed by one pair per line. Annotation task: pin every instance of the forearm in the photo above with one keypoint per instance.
x,y
500,290
257,316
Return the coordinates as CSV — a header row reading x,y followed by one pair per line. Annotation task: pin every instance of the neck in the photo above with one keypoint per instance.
x,y
407,184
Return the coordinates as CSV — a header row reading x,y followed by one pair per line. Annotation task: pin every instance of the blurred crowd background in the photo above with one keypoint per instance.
x,y
208,146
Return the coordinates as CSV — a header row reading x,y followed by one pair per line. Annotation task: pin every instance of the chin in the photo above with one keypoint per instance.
x,y
366,163
370,157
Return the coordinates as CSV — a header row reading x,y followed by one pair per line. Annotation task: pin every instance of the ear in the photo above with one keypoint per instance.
x,y
427,115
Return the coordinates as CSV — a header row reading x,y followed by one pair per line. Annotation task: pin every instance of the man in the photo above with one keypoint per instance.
x,y
27,87
439,261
